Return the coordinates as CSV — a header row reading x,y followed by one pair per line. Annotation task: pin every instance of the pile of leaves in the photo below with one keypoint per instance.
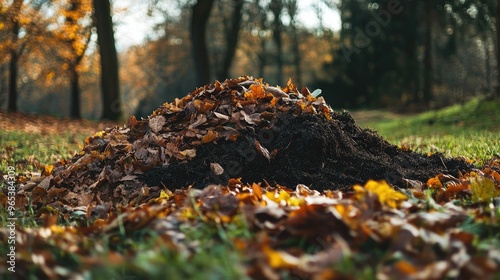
x,y
241,128
435,230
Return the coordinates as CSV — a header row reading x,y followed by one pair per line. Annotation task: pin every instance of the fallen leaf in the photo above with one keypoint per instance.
x,y
216,168
156,123
386,195
483,189
262,150
209,137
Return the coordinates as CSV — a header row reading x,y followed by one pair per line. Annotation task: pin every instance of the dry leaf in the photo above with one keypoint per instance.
x,y
156,123
216,168
209,137
263,151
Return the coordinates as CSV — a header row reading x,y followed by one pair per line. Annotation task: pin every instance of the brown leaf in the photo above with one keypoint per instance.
x,y
221,116
132,121
263,151
156,123
247,118
200,119
216,168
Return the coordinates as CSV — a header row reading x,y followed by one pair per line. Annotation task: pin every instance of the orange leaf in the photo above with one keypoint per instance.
x,y
434,183
257,91
209,137
132,121
290,87
405,267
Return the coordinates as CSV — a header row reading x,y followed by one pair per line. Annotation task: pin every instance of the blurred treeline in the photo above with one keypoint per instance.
x,y
400,55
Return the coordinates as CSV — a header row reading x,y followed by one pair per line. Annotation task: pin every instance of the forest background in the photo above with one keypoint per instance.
x,y
404,56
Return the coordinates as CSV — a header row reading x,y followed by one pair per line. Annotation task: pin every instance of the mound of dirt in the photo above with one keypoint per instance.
x,y
241,128
310,150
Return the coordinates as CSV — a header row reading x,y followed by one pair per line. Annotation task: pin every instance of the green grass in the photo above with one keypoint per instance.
x,y
215,258
471,130
29,151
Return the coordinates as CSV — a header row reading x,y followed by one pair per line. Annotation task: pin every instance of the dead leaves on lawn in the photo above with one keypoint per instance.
x,y
300,233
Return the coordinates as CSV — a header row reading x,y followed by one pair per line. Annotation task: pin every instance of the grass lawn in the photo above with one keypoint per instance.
x,y
471,130
379,233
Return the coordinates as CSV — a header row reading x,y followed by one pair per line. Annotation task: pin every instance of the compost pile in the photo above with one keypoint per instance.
x,y
240,128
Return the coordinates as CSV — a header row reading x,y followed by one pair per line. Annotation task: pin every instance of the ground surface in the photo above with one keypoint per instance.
x,y
442,226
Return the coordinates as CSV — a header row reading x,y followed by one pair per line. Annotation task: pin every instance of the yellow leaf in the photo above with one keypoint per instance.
x,y
47,169
282,197
360,191
164,194
57,229
98,134
483,189
386,195
279,259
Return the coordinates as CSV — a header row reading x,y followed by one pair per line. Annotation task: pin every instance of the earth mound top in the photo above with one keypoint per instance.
x,y
240,128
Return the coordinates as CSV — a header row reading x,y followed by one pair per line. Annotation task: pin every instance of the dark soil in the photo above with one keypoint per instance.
x,y
310,150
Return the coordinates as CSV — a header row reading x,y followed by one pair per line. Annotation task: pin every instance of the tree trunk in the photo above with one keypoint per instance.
x,y
231,39
427,90
14,55
111,105
262,55
497,25
276,7
201,13
75,94
489,76
12,105
292,12
3,85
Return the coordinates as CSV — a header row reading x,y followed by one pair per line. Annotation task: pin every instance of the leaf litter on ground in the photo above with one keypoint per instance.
x,y
415,229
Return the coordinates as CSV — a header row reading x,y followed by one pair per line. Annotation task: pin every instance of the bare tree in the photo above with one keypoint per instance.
x,y
199,18
262,31
292,8
231,31
15,52
276,7
428,69
497,25
111,105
